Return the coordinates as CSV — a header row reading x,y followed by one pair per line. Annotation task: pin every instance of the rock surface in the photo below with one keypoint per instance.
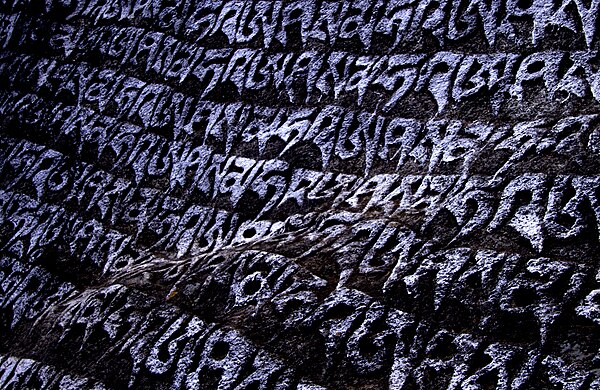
x,y
364,194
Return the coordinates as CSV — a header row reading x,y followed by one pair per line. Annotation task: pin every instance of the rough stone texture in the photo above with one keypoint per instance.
x,y
304,195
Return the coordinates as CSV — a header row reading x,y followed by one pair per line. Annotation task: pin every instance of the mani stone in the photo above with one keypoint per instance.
x,y
352,194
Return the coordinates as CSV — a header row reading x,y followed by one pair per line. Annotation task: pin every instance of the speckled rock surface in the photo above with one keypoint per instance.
x,y
315,195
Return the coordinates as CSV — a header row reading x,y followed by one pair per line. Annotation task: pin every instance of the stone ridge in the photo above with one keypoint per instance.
x,y
353,194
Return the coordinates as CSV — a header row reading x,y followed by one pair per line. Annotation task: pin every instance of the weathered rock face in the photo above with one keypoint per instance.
x,y
300,194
